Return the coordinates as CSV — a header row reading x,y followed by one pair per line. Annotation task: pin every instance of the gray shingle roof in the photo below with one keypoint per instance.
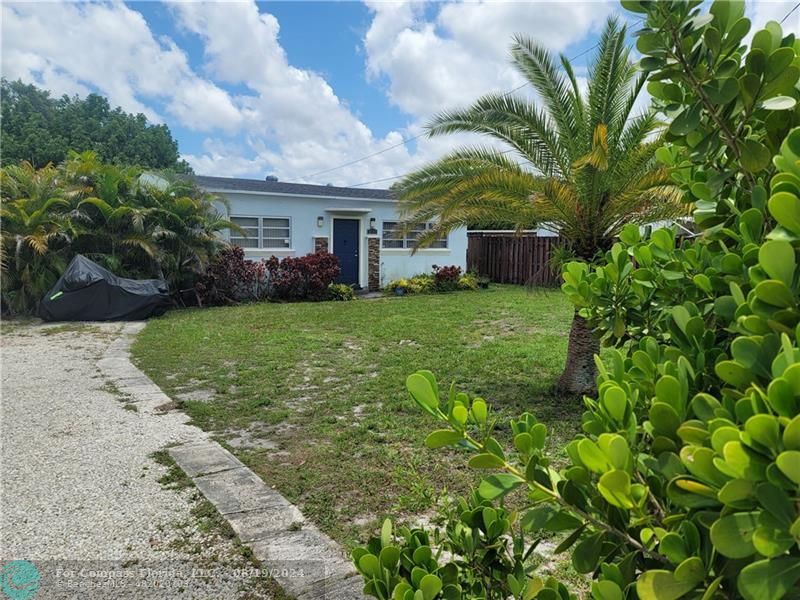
x,y
281,187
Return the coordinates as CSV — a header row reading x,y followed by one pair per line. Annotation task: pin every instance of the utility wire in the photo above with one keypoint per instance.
x,y
397,145
796,6
404,174
405,141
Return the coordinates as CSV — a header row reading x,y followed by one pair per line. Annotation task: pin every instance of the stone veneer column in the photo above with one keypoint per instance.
x,y
320,243
373,263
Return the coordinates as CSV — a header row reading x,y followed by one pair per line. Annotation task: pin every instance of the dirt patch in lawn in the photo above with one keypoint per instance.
x,y
312,396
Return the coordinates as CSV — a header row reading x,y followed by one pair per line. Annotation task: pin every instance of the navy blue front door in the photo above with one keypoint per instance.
x,y
345,247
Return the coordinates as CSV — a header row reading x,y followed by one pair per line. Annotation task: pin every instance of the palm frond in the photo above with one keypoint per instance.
x,y
536,63
471,185
513,121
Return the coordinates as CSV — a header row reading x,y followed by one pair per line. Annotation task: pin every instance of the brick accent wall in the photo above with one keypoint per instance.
x,y
320,244
373,264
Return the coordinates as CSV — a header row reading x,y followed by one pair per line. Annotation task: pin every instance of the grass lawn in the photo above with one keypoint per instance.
x,y
312,396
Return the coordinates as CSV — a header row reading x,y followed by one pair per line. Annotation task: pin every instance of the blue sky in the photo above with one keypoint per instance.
x,y
296,88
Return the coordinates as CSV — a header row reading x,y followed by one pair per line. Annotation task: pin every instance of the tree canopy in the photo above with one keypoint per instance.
x,y
41,129
579,161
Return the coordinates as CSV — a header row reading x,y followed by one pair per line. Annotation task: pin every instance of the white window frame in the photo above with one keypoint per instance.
x,y
261,244
408,242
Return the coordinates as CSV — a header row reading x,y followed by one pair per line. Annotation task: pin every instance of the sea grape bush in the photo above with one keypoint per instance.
x,y
684,482
302,278
481,553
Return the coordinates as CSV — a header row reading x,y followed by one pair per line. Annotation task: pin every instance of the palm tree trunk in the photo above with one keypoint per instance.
x,y
580,372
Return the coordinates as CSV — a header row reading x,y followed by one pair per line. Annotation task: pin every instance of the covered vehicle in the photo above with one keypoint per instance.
x,y
88,292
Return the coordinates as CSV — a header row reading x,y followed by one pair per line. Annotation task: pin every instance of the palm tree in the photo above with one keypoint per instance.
x,y
186,226
134,225
34,233
578,162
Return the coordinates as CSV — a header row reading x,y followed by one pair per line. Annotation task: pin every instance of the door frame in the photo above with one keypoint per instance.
x,y
362,243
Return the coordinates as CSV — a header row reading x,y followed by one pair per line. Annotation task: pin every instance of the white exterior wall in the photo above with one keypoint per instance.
x,y
303,212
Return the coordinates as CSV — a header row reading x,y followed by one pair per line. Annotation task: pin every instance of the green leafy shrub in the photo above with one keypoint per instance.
x,y
481,553
684,482
469,281
133,225
418,284
441,279
340,292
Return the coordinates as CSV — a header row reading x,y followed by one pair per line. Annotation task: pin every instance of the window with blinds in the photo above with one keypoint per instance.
x,y
394,237
262,232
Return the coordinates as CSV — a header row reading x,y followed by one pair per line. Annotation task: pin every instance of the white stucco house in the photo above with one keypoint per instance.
x,y
359,226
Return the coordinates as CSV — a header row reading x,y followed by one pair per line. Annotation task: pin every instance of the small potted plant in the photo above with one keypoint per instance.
x,y
401,288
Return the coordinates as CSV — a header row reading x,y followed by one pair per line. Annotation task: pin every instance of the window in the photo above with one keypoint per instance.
x,y
275,233
250,227
394,237
262,232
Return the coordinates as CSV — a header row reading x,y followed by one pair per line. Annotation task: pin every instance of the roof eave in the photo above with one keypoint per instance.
x,y
221,190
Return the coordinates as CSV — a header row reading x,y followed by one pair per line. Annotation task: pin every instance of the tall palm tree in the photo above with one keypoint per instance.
x,y
579,162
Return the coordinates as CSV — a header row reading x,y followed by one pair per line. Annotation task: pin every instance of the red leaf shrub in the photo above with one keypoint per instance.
x,y
302,278
230,278
445,279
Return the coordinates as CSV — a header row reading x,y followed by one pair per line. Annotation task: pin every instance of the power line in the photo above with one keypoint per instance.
x,y
358,160
376,180
405,141
404,174
393,146
416,137
796,6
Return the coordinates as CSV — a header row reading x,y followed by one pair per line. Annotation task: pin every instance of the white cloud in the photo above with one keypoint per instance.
x,y
69,48
761,11
292,109
463,51
283,119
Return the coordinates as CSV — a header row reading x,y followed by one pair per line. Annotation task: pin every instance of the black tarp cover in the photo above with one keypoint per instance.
x,y
88,292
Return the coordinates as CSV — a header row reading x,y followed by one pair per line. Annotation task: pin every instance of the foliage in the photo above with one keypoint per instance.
x,y
469,281
230,278
340,292
418,284
582,162
684,483
40,130
301,278
446,278
134,225
441,279
481,553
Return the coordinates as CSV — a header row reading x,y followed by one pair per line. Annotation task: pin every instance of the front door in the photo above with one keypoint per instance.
x,y
345,247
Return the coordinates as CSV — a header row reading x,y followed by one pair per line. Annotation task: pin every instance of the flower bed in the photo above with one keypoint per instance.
x,y
440,279
231,279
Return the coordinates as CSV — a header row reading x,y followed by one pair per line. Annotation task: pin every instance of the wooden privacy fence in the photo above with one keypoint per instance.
x,y
508,257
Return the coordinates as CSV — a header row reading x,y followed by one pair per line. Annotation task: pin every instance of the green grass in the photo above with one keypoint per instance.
x,y
326,382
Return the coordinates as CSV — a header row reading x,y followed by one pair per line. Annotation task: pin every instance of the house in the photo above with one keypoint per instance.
x,y
360,226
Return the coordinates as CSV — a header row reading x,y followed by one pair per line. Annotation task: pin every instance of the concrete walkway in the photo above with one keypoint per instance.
x,y
80,491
